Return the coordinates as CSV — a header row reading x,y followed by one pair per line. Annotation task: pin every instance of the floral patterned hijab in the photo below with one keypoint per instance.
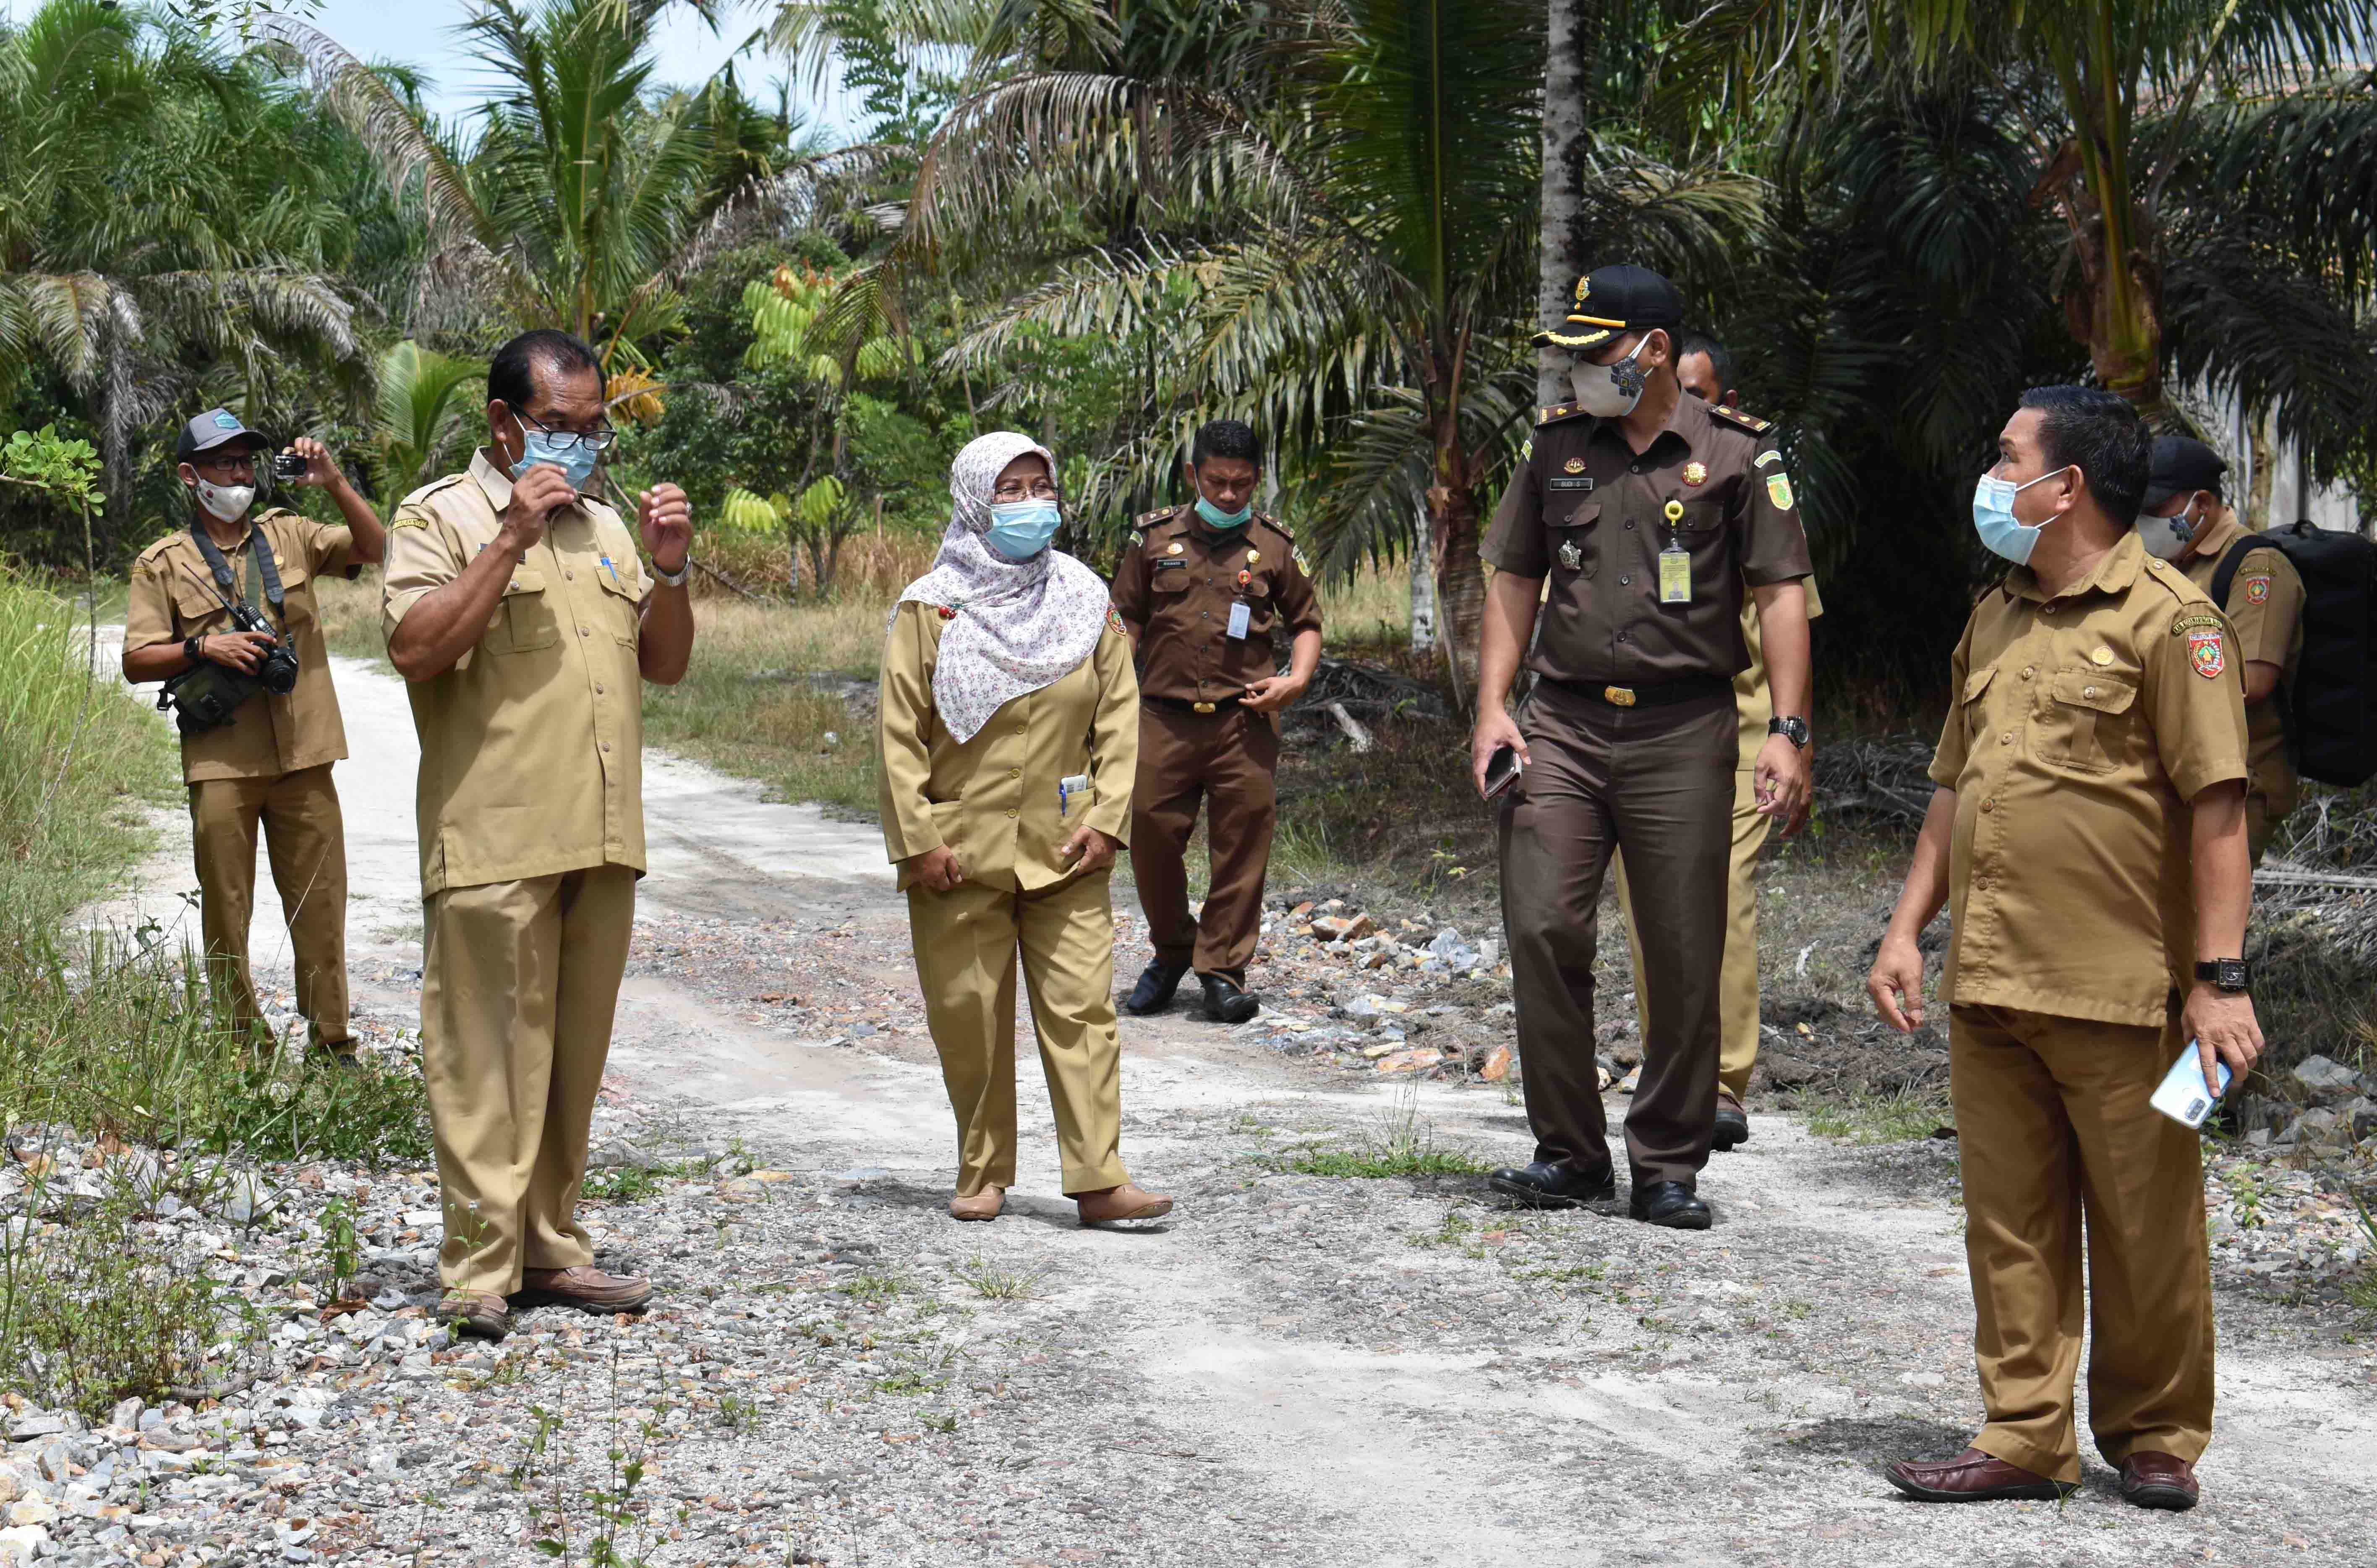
x,y
1017,625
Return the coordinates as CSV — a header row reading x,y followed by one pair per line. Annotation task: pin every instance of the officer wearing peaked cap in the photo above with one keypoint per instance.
x,y
1636,522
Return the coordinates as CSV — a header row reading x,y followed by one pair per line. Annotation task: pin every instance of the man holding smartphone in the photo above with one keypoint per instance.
x,y
519,613
1639,519
2088,831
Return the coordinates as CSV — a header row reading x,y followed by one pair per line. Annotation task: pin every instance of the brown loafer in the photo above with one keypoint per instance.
x,y
984,1204
1126,1201
586,1287
1973,1476
479,1313
2159,1481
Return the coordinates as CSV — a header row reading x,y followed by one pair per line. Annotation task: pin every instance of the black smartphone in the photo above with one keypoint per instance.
x,y
1500,769
288,465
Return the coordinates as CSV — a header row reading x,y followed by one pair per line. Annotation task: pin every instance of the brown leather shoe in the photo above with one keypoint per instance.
x,y
1126,1201
1973,1476
479,1313
585,1287
2159,1481
984,1204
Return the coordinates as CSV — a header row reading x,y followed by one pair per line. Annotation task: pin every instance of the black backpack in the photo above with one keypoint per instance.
x,y
2331,709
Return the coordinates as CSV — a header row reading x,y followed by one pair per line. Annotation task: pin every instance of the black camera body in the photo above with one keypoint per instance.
x,y
278,673
288,465
207,696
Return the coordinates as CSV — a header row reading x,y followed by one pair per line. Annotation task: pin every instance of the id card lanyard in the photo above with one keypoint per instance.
x,y
1675,562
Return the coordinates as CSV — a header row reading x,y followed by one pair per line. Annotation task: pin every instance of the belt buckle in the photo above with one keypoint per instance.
x,y
1617,696
1201,707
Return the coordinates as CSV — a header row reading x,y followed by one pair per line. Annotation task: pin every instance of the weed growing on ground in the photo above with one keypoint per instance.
x,y
997,1283
1403,1145
876,1288
1896,1117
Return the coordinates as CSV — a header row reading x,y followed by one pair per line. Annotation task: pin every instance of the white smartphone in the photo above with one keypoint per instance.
x,y
2183,1096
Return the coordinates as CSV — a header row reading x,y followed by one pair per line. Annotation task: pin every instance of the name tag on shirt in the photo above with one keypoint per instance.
x,y
1238,619
1168,563
1564,482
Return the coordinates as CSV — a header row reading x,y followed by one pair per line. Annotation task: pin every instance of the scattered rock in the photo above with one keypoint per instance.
x,y
1497,1064
2323,1077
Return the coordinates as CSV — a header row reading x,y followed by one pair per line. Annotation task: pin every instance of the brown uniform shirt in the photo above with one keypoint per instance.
x,y
993,801
174,598
2083,725
532,746
2265,603
1178,584
1592,516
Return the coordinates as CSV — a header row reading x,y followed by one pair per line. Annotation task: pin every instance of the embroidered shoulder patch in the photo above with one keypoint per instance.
x,y
2205,651
1296,555
1768,456
1114,620
1778,490
2186,624
2257,589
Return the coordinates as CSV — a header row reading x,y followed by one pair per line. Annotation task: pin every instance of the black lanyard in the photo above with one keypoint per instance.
x,y
259,554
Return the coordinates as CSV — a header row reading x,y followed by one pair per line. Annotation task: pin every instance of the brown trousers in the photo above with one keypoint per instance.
x,y
1737,981
307,840
967,941
518,984
2056,1137
1659,782
1226,760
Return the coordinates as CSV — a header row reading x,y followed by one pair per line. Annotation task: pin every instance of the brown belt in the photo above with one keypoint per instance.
x,y
1183,705
1684,690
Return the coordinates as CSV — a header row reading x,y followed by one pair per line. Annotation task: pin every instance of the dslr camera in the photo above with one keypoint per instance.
x,y
208,695
278,673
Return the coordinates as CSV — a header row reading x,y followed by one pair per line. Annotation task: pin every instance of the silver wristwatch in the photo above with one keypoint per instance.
x,y
665,580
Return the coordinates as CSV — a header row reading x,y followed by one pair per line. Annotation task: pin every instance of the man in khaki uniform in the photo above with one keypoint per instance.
x,y
2184,521
268,766
1206,589
2089,832
1706,372
517,609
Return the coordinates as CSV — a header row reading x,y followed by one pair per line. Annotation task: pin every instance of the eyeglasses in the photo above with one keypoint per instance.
x,y
1017,490
225,460
568,440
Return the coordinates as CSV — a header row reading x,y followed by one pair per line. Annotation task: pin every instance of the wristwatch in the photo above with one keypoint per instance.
x,y
2231,974
190,646
683,572
1793,730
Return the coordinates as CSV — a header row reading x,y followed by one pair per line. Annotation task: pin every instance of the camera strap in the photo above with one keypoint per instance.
x,y
260,555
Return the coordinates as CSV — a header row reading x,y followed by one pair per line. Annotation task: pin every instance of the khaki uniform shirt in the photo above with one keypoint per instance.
x,y
1588,512
993,801
2083,725
1752,698
1178,583
174,597
2265,603
532,746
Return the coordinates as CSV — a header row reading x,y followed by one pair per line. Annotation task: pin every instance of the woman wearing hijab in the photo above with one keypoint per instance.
x,y
1006,739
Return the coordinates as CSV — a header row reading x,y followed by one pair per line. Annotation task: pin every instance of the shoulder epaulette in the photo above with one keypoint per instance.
x,y
1557,413
2182,587
1146,521
1739,420
1276,526
157,549
432,488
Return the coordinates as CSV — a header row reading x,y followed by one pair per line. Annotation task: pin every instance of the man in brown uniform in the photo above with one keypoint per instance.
x,y
1706,372
517,609
1649,512
2183,520
2089,832
268,766
1204,588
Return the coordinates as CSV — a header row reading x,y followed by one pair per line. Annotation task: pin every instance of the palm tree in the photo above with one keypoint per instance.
x,y
422,400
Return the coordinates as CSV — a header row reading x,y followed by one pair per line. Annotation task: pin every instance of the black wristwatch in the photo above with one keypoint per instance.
x,y
2231,974
1793,730
190,648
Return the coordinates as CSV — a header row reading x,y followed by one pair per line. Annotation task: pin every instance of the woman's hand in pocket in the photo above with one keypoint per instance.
x,y
937,868
1095,850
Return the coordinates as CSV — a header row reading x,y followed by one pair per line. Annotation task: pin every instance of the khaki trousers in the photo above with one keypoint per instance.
x,y
2056,1136
307,840
1658,780
517,987
1228,761
1737,981
966,942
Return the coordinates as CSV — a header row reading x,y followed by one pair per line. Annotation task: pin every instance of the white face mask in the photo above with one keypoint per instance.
x,y
1610,391
2167,537
229,502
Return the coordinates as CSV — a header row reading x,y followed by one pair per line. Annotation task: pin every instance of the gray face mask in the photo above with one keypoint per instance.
x,y
2167,537
1611,391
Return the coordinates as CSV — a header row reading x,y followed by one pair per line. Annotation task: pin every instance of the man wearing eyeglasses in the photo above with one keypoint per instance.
x,y
262,760
518,612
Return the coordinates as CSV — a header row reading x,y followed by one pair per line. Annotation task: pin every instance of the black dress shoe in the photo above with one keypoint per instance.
x,y
1554,1184
1732,1124
1670,1204
1153,992
1225,1002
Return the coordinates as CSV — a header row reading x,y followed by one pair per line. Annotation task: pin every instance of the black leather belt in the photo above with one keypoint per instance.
x,y
1684,690
1183,705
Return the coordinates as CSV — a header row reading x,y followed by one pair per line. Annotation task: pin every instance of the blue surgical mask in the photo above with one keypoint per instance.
x,y
1216,518
1994,520
575,460
1021,529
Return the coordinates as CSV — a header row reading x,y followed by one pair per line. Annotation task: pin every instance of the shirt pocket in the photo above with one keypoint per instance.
x,y
1575,539
523,621
198,608
619,606
1972,709
2090,725
298,604
1169,579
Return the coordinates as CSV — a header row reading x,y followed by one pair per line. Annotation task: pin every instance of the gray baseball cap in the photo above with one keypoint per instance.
x,y
212,429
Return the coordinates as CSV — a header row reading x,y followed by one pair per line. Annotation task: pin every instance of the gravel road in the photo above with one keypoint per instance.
x,y
1293,1369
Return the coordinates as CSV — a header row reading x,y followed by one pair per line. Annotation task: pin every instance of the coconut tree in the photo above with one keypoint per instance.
x,y
422,400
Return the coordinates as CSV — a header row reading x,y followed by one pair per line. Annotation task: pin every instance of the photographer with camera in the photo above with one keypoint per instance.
x,y
234,632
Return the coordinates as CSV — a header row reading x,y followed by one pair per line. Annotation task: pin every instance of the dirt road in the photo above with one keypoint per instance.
x,y
1295,1369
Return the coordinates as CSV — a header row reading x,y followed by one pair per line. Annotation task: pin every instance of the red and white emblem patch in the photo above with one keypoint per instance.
x,y
2257,589
2206,653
